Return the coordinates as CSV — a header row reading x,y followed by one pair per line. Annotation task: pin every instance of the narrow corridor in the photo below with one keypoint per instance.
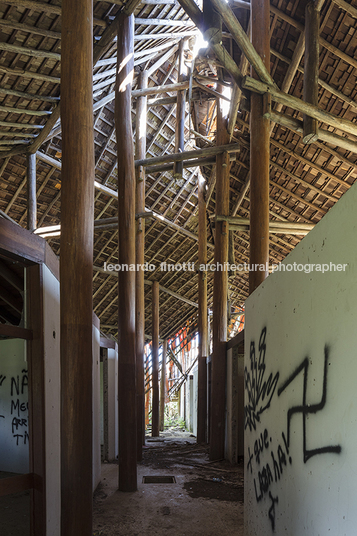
x,y
205,500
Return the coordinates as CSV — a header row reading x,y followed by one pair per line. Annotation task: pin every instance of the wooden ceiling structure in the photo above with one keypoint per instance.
x,y
306,179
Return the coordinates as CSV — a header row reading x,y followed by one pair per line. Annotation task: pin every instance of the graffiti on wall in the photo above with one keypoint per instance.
x,y
269,457
258,387
14,407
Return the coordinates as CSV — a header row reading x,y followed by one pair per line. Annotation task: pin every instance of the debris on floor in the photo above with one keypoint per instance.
x,y
206,500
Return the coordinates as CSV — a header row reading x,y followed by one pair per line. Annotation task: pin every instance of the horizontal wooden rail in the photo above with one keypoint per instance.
x,y
14,332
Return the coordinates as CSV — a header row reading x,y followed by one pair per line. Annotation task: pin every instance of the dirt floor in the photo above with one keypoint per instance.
x,y
206,500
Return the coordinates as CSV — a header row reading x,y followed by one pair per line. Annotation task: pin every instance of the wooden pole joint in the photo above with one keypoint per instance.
x,y
140,177
225,159
213,36
266,105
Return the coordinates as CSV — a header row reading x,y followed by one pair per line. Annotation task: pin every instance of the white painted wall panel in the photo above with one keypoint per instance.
x,y
14,438
96,407
51,333
300,389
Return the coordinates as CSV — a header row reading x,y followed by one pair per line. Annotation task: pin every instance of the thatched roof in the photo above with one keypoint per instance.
x,y
306,179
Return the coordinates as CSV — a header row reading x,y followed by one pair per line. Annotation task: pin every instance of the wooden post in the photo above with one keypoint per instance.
x,y
126,255
311,68
76,267
259,153
140,152
155,359
31,192
202,314
180,113
220,291
163,386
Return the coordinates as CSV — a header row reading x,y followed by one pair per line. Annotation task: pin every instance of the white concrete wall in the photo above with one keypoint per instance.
x,y
113,434
96,407
300,389
51,333
14,438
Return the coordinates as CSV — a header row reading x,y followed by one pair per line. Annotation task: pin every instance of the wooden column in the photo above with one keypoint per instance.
x,y
259,153
140,152
180,113
126,255
155,359
31,192
311,68
163,386
202,314
220,291
76,267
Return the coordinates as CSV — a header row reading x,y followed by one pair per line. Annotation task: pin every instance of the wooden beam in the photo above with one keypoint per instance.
x,y
31,193
30,51
163,386
323,84
203,351
140,152
347,7
152,36
130,6
98,50
237,91
29,96
4,23
148,282
336,51
162,22
47,8
259,151
258,62
311,74
126,255
77,217
194,12
154,90
180,113
30,74
188,155
155,66
220,295
274,226
297,104
323,135
155,360
208,161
